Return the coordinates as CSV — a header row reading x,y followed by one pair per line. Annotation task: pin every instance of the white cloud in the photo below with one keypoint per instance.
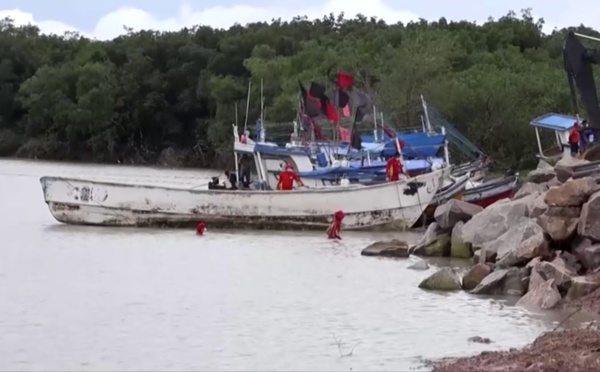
x,y
111,25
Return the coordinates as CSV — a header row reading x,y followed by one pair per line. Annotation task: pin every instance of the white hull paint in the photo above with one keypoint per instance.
x,y
391,205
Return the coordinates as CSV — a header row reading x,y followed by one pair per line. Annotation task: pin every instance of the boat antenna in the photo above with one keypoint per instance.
x,y
247,105
425,111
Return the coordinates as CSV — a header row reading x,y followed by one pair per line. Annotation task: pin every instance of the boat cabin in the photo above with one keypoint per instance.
x,y
552,134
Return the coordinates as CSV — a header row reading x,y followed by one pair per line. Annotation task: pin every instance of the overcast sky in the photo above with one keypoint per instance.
x,y
104,19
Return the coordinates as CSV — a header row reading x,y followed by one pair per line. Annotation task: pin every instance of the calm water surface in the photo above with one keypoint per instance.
x,y
89,298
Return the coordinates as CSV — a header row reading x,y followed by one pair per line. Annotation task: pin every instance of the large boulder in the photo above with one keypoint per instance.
x,y
530,188
539,176
508,282
564,167
454,211
519,244
474,276
560,222
545,296
589,256
438,247
444,279
589,221
431,234
391,248
494,221
537,206
458,247
580,287
557,270
572,193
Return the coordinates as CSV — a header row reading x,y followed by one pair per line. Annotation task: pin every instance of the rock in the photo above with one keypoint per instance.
x,y
571,260
580,287
572,193
480,340
535,279
564,167
589,256
439,247
454,211
444,279
589,221
530,188
458,247
503,282
560,222
419,265
494,221
545,296
541,175
490,257
553,182
392,248
474,276
537,206
431,234
519,244
556,270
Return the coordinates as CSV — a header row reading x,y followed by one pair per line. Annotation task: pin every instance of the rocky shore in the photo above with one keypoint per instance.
x,y
543,245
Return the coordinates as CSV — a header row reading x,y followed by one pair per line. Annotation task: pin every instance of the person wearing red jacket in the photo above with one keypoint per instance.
x,y
393,169
287,178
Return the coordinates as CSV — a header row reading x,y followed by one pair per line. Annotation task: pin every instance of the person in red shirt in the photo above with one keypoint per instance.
x,y
393,168
333,231
287,178
574,138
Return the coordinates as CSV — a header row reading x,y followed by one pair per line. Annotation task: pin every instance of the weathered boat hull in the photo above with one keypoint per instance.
x,y
390,205
490,192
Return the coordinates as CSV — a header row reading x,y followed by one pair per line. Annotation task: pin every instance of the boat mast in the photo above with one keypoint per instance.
x,y
247,106
426,112
375,132
261,136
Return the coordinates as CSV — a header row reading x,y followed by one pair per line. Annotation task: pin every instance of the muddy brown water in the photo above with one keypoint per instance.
x,y
90,298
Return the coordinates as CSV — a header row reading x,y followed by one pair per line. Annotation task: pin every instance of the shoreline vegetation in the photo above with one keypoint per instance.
x,y
169,98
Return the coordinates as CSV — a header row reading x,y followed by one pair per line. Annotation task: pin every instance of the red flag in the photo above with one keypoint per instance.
x,y
345,80
332,114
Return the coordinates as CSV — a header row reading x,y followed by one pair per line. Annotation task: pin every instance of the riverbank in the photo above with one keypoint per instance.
x,y
541,247
576,350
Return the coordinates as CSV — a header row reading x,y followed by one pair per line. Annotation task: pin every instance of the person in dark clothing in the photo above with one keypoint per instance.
x,y
245,171
232,178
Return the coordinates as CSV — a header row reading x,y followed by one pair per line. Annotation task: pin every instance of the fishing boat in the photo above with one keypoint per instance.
x,y
384,205
487,193
391,204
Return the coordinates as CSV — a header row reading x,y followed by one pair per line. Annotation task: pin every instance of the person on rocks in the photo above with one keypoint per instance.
x,y
574,139
287,177
333,231
394,168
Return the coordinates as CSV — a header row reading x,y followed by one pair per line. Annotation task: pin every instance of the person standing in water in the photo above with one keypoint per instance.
x,y
287,178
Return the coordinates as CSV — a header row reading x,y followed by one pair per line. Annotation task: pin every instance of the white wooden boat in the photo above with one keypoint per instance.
x,y
392,204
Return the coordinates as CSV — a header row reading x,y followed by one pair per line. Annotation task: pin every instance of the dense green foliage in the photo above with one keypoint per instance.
x,y
149,96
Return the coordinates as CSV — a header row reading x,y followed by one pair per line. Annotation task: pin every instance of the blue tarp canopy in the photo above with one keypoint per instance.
x,y
418,145
557,122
